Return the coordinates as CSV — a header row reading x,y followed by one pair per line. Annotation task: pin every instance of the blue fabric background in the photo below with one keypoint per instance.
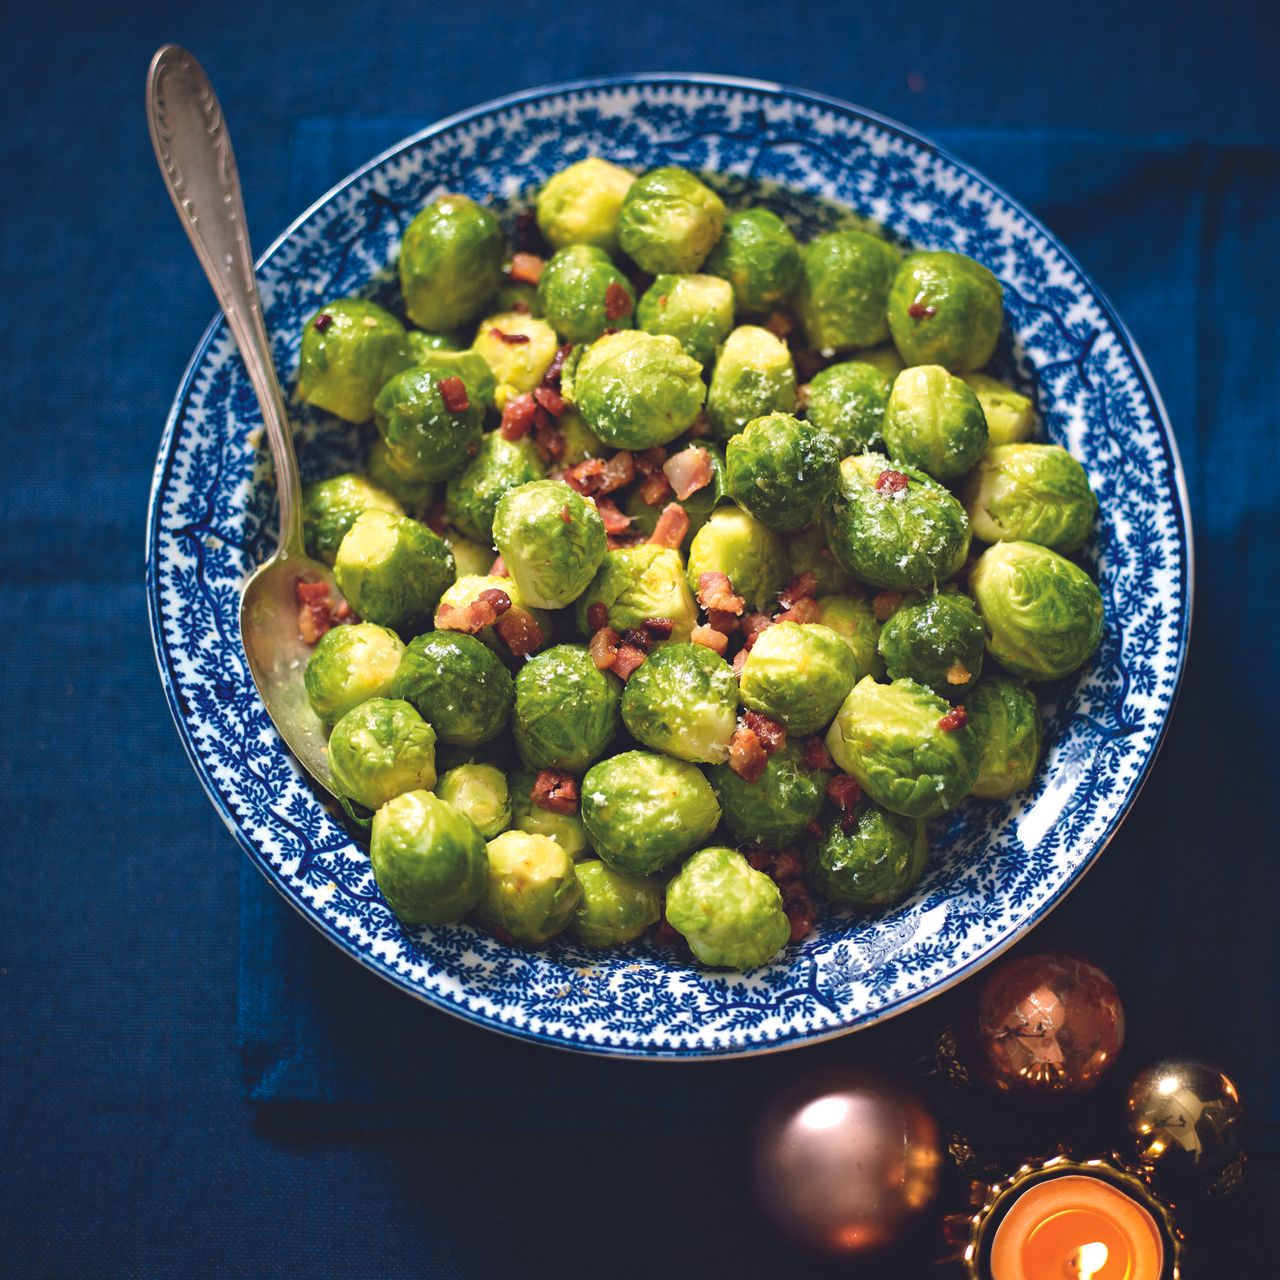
x,y
194,1081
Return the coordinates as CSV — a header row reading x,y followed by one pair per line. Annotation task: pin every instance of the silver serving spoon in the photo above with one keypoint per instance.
x,y
199,168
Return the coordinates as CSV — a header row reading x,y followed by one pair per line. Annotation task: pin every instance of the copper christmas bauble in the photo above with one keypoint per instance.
x,y
1186,1120
844,1159
1046,1024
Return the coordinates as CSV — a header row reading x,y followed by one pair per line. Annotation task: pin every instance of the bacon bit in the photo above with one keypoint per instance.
x,y
808,363
782,866
344,612
615,521
518,629
511,339
526,268
814,828
884,604
526,228
603,647
312,592
716,595
671,528
628,538
815,755
474,616
565,514
803,586
650,460
315,609
436,520
956,718
517,417
498,569
594,476
322,322
659,628
520,307
654,489
797,902
845,793
772,733
665,934
552,376
585,476
548,439
739,661
688,471
638,638
722,620
597,615
701,426
551,400
502,935
803,393
891,482
555,791
747,756
628,659
806,610
752,626
604,333
617,302
710,638
785,869
453,391
619,471
313,622
919,311
958,673
780,323
662,300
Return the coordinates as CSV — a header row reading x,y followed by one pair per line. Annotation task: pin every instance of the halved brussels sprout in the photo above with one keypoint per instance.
x,y
684,701
638,583
730,914
1031,493
566,709
799,673
580,204
643,811
478,792
614,908
893,526
517,366
807,552
499,465
551,540
468,365
754,375
381,749
759,257
844,286
450,262
698,506
330,507
945,308
669,221
460,686
429,861
582,293
532,891
695,310
852,618
934,421
734,543
565,829
425,438
875,863
937,642
466,590
416,496
470,559
392,570
422,343
1006,721
892,739
350,347
781,470
847,401
1011,416
774,810
1042,613
350,665
637,390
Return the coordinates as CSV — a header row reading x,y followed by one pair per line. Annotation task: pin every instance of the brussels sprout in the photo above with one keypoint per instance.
x,y
781,470
468,365
698,506
885,357
416,496
754,375
459,685
551,540
330,507
1031,493
379,750
499,465
1006,721
1042,613
643,811
580,204
518,295
349,349
759,257
798,673
695,310
684,701
478,792
753,557
1011,416
565,829
775,809
392,570
934,421
847,401
807,552
579,293
891,534
891,738
844,285
669,221
937,642
615,908
638,583
517,366
636,390
425,439
532,891
348,666
730,914
566,709
450,262
429,861
945,309
853,620
466,590
470,559
579,440
875,863
423,344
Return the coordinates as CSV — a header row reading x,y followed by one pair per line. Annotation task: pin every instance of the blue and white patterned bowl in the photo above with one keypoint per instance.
x,y
997,868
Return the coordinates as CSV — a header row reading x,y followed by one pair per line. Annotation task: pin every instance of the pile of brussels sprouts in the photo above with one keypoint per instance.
x,y
776,569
